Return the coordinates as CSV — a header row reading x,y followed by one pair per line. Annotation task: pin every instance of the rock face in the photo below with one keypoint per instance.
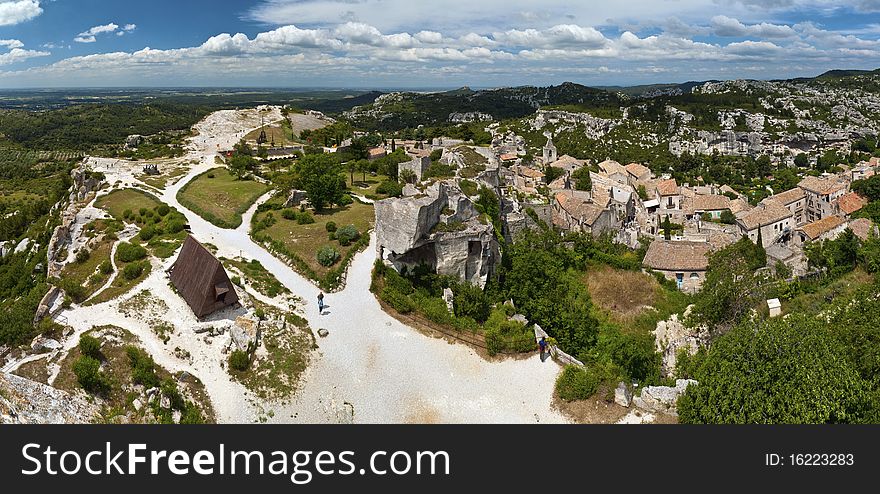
x,y
296,198
672,336
23,401
662,399
53,296
133,141
245,333
439,228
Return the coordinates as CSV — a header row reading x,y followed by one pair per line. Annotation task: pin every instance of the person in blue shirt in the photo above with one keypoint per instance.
x,y
321,304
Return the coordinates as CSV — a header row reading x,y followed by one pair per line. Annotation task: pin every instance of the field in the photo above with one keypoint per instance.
x,y
118,201
365,188
632,300
220,198
304,241
279,134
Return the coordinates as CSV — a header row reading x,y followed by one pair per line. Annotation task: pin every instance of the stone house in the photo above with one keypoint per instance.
x,y
683,262
528,179
796,202
712,204
770,218
669,194
637,173
821,195
576,211
615,171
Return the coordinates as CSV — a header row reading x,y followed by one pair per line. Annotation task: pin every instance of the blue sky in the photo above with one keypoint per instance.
x,y
409,43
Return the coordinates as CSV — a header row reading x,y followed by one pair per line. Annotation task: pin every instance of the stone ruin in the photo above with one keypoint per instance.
x,y
440,228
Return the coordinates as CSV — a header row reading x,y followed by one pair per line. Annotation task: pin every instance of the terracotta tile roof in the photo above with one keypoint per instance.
x,y
637,170
766,213
668,187
709,202
530,172
850,203
862,227
610,167
579,207
821,186
508,157
377,152
816,229
789,196
568,163
738,206
666,255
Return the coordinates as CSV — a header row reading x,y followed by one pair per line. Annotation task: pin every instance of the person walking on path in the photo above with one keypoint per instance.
x,y
543,345
321,304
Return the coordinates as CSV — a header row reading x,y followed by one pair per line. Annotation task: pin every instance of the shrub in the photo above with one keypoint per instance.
x,y
133,271
211,175
397,300
345,200
127,214
305,218
163,210
106,267
576,383
328,256
289,214
143,368
128,252
470,301
239,360
236,281
390,188
347,234
175,225
90,346
82,256
143,212
147,233
88,375
330,226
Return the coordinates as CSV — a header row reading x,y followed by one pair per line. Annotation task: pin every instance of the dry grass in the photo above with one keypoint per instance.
x,y
623,294
118,201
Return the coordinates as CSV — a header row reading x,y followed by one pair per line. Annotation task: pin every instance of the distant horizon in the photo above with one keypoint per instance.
x,y
387,88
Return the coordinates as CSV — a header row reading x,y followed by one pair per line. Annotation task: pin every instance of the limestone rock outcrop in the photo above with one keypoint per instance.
x,y
672,336
662,399
23,401
439,228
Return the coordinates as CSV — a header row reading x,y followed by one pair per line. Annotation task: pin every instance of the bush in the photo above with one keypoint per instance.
x,y
147,233
345,200
175,225
106,267
143,368
133,271
305,218
239,360
127,214
470,301
576,383
128,252
90,346
397,300
390,188
88,375
330,226
347,234
289,214
82,256
163,210
328,256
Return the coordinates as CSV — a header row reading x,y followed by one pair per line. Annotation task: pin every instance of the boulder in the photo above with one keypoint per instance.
x,y
245,333
323,333
449,298
41,344
23,401
662,399
296,198
622,395
672,336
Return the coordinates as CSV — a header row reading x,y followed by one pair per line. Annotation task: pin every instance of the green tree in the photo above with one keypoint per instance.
x,y
781,371
319,176
582,180
730,290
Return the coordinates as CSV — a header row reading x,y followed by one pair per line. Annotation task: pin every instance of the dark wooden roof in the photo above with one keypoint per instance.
x,y
201,279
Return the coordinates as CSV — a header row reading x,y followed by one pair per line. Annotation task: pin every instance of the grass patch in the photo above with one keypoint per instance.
x,y
87,274
301,243
118,201
162,228
815,297
275,372
168,173
261,279
366,188
121,285
222,199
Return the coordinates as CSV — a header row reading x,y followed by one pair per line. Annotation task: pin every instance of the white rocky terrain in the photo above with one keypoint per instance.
x,y
370,369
